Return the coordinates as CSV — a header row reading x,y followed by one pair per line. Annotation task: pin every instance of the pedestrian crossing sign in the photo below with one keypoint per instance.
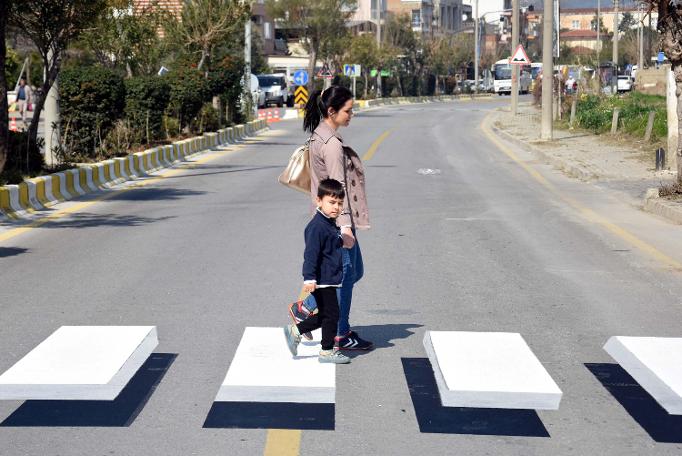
x,y
520,57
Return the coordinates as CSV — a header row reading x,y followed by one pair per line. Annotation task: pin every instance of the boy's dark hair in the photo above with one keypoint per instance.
x,y
330,187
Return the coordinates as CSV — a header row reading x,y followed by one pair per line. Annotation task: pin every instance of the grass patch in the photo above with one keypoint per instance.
x,y
595,113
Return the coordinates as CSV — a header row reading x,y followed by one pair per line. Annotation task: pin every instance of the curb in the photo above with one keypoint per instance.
x,y
39,193
363,104
567,168
662,207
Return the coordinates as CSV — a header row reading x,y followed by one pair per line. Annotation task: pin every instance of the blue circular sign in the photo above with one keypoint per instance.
x,y
301,77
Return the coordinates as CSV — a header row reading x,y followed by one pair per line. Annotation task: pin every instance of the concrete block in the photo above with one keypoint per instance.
x,y
80,363
263,370
656,364
489,370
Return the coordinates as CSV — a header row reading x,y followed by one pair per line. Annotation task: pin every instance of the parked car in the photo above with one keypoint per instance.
x,y
624,83
275,88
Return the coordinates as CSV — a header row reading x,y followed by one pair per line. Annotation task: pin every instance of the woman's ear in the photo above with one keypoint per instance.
x,y
330,112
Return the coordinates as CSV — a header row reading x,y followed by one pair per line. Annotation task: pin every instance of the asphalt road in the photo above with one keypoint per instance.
x,y
494,241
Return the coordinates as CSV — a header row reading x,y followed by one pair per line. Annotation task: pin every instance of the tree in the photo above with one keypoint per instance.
x,y
321,24
205,25
626,23
363,51
51,25
4,128
125,37
670,29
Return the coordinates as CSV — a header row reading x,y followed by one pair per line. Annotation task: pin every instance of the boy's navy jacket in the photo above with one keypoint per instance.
x,y
322,260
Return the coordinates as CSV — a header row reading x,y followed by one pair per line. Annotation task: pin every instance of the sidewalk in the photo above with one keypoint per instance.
x,y
609,162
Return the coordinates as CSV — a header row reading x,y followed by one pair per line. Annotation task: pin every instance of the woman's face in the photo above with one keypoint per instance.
x,y
341,118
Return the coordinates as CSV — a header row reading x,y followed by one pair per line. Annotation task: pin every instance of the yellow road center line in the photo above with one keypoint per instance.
x,y
283,442
587,213
375,145
287,442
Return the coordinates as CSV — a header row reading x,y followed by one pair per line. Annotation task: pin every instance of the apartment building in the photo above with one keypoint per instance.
x,y
434,17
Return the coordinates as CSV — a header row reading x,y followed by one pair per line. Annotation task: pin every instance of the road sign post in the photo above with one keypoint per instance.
x,y
301,95
352,71
301,78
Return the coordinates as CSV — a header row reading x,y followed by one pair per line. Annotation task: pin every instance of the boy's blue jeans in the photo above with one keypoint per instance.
x,y
353,270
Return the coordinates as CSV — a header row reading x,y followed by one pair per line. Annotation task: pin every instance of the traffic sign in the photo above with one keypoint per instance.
x,y
325,73
520,57
301,77
352,70
301,95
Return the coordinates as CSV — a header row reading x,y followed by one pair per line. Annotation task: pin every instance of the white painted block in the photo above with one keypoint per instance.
x,y
263,370
80,363
489,370
655,363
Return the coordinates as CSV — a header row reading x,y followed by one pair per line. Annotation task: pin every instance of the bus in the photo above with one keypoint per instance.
x,y
502,75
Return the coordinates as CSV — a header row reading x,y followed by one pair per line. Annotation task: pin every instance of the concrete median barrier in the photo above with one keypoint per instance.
x,y
40,193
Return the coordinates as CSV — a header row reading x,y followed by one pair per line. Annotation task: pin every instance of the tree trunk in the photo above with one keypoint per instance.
x,y
311,68
40,101
204,56
677,71
399,82
364,92
4,132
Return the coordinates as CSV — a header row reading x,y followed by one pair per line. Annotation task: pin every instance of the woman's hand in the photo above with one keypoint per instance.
x,y
347,237
309,287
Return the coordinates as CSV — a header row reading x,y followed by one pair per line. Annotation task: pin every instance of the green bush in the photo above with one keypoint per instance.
x,y
146,101
188,92
91,100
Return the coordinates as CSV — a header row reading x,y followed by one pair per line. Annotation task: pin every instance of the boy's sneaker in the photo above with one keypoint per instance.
x,y
352,341
293,338
333,356
299,312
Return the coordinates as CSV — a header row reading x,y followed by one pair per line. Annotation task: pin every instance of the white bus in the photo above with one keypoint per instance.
x,y
502,73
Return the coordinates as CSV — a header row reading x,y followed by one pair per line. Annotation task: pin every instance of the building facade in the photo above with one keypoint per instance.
x,y
434,17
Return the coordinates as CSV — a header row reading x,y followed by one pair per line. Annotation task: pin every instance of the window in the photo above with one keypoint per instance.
x,y
416,18
575,25
267,30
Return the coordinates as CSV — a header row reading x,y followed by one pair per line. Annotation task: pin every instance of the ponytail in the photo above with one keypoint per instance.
x,y
319,103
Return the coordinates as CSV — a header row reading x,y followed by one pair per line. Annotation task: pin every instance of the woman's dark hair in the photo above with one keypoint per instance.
x,y
330,187
319,103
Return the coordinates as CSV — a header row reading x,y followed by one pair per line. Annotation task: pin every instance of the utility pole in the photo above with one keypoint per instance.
x,y
477,51
598,32
515,68
640,59
547,69
380,5
615,46
248,97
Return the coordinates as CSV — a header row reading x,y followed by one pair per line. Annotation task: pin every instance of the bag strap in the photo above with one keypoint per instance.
x,y
345,178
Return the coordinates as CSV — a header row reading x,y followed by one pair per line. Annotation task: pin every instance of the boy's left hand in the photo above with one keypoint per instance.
x,y
309,287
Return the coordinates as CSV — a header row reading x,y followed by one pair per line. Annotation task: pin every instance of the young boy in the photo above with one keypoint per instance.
x,y
322,272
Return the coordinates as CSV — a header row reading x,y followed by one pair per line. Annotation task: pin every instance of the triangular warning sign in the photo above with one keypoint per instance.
x,y
325,73
520,57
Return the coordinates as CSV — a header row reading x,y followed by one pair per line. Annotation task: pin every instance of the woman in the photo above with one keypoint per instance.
x,y
325,113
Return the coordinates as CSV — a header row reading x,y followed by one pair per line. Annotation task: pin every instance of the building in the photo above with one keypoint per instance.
x,y
434,17
585,18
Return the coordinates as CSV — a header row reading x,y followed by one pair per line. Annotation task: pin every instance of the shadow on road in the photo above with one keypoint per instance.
x,y
11,251
384,335
238,170
661,426
271,415
155,194
432,417
88,220
120,412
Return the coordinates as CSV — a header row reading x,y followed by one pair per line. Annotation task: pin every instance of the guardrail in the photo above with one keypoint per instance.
x,y
42,192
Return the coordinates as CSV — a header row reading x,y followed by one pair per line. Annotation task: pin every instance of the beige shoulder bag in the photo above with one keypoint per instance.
x,y
296,175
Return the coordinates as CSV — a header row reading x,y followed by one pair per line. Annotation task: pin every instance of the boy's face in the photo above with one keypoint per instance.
x,y
330,206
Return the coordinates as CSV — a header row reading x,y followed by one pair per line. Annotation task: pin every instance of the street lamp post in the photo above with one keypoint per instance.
x,y
477,51
547,70
515,68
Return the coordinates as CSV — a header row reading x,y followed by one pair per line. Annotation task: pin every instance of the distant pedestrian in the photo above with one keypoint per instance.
x,y
322,272
24,99
330,157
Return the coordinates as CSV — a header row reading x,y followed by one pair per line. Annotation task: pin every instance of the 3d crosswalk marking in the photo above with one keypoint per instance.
x,y
655,363
80,363
263,370
489,370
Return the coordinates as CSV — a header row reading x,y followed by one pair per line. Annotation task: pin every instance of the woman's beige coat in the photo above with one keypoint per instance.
x,y
331,158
